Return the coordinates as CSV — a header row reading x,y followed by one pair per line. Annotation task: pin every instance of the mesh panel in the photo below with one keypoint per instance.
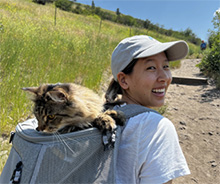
x,y
76,157
78,160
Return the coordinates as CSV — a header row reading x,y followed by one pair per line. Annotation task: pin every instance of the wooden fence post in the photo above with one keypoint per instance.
x,y
100,25
55,15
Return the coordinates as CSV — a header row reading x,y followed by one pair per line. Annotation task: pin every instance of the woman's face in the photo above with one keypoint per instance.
x,y
148,82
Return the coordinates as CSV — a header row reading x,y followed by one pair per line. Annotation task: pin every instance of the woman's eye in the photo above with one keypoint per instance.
x,y
166,66
51,117
151,68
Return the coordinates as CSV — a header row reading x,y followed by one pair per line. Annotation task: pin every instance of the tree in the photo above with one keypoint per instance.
x,y
93,5
118,12
188,32
147,24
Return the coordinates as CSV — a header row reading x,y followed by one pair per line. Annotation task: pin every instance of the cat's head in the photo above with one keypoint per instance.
x,y
53,105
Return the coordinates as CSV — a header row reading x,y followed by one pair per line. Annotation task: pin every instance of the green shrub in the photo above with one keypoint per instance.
x,y
210,64
64,4
43,2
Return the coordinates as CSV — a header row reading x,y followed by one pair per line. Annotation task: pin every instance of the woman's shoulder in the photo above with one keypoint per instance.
x,y
148,117
135,110
150,122
142,118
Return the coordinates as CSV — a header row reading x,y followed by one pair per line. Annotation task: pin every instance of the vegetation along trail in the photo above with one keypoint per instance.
x,y
195,112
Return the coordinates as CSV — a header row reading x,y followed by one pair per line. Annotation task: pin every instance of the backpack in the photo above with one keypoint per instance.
x,y
76,157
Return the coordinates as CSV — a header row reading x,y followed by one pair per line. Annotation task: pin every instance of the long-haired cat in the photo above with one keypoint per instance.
x,y
67,107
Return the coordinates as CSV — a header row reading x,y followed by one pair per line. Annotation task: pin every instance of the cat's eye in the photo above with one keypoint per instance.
x,y
51,117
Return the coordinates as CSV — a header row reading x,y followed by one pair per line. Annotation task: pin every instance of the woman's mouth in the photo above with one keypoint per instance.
x,y
159,92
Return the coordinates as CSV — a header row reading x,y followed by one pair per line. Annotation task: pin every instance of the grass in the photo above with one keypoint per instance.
x,y
34,51
4,151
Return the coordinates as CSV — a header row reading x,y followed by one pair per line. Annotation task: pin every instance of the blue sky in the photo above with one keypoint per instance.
x,y
172,14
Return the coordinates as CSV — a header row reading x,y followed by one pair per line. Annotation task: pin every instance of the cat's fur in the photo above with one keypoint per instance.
x,y
67,107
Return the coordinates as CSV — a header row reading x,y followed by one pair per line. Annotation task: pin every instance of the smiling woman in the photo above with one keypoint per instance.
x,y
149,150
148,82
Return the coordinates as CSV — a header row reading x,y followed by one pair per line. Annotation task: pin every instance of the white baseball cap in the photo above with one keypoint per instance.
x,y
142,46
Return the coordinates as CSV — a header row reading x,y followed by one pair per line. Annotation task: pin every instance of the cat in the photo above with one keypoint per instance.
x,y
68,107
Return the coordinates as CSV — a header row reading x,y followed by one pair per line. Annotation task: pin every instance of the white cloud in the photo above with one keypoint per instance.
x,y
218,10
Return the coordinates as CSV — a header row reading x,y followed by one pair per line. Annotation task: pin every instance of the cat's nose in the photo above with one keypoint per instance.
x,y
40,128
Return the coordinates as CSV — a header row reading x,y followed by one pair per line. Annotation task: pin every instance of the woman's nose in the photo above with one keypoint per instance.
x,y
164,75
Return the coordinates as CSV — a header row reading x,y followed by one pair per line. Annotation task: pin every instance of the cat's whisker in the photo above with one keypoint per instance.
x,y
57,135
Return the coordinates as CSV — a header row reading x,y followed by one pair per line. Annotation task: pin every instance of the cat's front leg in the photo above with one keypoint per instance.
x,y
108,120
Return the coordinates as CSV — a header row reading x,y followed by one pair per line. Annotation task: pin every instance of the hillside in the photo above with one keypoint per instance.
x,y
119,17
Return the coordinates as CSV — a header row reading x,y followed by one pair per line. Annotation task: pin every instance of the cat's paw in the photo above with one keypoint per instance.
x,y
108,120
118,116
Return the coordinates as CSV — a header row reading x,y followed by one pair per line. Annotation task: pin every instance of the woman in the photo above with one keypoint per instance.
x,y
149,150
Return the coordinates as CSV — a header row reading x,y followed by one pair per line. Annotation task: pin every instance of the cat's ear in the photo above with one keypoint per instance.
x,y
57,96
33,90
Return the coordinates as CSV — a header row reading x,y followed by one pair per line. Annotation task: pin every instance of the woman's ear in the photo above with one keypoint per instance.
x,y
122,80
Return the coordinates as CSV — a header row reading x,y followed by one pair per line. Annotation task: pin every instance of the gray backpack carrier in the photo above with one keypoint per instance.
x,y
76,157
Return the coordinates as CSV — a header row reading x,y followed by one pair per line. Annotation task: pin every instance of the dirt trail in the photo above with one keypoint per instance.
x,y
195,112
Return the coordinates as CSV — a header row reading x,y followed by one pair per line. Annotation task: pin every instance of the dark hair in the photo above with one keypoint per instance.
x,y
129,69
114,88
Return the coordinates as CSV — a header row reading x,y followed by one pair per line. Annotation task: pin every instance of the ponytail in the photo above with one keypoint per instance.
x,y
114,89
112,95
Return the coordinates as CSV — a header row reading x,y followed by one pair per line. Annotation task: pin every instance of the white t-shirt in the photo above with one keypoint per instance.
x,y
149,151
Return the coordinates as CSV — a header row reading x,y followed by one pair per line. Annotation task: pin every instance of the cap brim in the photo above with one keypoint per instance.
x,y
174,50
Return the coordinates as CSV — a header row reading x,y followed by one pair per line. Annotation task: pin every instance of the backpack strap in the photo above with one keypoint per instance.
x,y
129,111
132,110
